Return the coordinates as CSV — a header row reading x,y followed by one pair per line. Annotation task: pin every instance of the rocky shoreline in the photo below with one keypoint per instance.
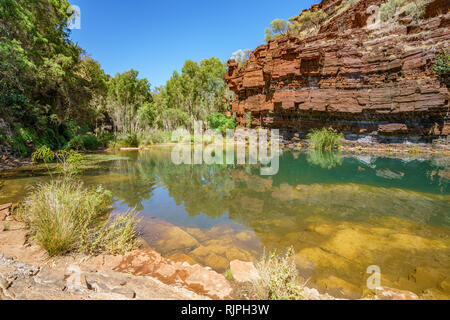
x,y
27,273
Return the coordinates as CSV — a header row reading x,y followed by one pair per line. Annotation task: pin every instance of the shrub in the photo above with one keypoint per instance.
x,y
325,139
43,154
131,141
442,66
221,122
324,159
312,18
241,56
70,162
83,142
104,139
18,145
416,8
66,217
278,27
154,137
389,9
278,278
50,139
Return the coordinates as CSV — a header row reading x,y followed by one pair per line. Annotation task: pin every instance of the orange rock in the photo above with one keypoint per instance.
x,y
349,77
194,277
243,271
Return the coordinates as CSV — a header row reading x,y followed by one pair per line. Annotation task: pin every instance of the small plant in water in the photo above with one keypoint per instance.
x,y
325,139
278,278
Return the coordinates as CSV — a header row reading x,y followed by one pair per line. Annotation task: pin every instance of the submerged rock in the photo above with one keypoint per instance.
x,y
386,293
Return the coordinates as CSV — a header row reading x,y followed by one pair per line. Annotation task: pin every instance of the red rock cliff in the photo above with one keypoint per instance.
x,y
358,75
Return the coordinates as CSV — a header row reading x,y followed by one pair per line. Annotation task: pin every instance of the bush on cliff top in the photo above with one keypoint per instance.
x,y
325,139
278,27
413,8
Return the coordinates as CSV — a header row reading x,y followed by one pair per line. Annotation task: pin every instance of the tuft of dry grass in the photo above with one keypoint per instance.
x,y
278,278
66,217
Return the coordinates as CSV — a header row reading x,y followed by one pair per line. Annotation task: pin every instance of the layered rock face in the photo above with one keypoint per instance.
x,y
357,75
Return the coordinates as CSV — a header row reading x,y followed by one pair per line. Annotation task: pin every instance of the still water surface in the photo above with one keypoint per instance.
x,y
341,213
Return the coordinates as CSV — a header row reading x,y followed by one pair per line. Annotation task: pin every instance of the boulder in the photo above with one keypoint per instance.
x,y
244,271
193,277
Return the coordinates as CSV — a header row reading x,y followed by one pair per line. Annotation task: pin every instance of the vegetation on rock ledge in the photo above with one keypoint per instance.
x,y
325,139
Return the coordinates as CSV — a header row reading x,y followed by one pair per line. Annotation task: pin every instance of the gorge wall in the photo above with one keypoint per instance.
x,y
358,75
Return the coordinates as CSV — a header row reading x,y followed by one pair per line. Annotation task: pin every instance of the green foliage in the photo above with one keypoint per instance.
x,y
154,137
325,139
278,278
66,217
416,8
221,122
43,154
307,23
278,27
312,18
46,81
49,85
192,95
228,274
442,66
389,9
324,159
131,140
83,142
126,95
69,161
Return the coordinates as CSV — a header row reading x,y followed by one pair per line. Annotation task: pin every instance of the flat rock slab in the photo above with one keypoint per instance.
x,y
201,280
243,271
19,281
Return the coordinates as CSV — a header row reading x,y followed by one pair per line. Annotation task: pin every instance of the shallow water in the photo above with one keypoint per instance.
x,y
341,213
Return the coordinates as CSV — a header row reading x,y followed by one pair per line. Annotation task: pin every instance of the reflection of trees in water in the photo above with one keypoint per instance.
x,y
200,188
131,185
324,159
306,186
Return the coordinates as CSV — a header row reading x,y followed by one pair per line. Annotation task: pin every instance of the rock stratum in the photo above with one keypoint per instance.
x,y
357,74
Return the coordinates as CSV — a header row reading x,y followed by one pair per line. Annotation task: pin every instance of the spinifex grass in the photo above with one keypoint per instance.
x,y
325,139
278,278
65,217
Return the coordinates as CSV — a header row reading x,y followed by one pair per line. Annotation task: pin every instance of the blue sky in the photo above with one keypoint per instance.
x,y
156,37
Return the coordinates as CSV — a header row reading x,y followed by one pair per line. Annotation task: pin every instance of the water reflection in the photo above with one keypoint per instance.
x,y
340,212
